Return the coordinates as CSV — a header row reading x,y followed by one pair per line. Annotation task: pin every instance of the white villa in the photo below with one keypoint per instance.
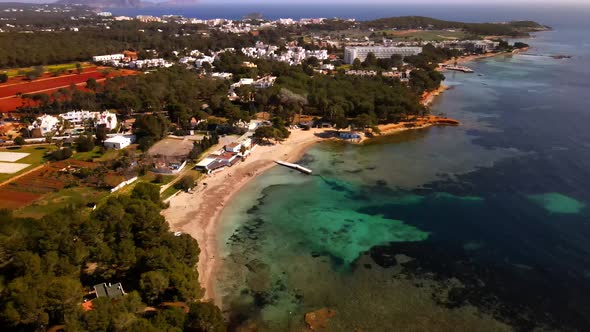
x,y
77,118
108,57
49,123
46,123
119,142
233,147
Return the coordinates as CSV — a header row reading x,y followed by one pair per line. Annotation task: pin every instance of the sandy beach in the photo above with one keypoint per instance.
x,y
197,213
470,58
428,97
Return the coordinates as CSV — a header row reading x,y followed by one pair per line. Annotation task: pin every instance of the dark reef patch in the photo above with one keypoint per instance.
x,y
354,171
525,298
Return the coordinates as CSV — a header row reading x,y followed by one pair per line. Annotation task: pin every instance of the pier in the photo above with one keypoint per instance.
x,y
460,68
299,168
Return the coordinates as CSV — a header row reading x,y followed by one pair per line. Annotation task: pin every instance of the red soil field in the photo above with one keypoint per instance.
x,y
42,84
19,79
12,199
9,100
10,104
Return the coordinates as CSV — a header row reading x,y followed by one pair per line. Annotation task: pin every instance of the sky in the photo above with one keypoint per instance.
x,y
393,2
369,2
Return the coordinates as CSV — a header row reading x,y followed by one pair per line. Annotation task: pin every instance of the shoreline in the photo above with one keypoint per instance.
x,y
470,58
418,123
198,213
428,97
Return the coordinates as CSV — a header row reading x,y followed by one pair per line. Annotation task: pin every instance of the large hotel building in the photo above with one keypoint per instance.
x,y
381,52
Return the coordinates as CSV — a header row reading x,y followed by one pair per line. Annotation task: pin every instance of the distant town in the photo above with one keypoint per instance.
x,y
45,103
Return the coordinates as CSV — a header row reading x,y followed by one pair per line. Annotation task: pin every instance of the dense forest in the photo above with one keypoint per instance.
x,y
341,97
42,48
49,265
58,47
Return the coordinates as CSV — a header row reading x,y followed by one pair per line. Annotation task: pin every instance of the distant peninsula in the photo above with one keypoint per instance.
x,y
512,28
103,3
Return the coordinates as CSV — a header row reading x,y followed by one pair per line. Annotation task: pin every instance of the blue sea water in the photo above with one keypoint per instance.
x,y
481,227
551,14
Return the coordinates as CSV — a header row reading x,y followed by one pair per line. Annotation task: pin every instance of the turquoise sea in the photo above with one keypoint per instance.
x,y
481,227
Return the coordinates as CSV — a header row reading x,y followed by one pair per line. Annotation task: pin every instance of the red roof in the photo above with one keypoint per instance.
x,y
226,155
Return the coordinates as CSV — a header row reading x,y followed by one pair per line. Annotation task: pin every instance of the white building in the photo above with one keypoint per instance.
x,y
265,82
233,147
122,18
381,52
119,142
292,55
319,54
486,45
286,21
225,76
245,81
104,14
327,66
106,118
77,118
150,63
108,57
199,62
46,123
147,18
247,142
185,60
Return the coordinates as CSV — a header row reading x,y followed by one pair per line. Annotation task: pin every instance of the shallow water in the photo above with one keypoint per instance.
x,y
484,226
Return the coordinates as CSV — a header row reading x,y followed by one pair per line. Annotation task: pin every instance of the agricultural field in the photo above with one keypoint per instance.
x,y
35,157
48,186
409,35
96,155
77,181
45,84
10,91
50,178
78,196
50,68
435,35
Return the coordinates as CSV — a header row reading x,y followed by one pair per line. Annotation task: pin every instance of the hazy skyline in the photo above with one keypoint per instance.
x,y
367,2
